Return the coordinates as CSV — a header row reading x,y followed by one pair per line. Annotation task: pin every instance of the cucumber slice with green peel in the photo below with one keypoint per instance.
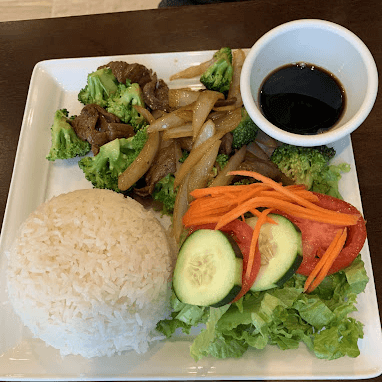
x,y
280,246
207,271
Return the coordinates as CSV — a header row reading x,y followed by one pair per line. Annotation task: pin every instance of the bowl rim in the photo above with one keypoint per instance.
x,y
331,135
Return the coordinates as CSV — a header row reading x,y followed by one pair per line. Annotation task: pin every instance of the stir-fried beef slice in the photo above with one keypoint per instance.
x,y
155,94
95,125
264,167
119,130
139,74
136,73
164,164
226,145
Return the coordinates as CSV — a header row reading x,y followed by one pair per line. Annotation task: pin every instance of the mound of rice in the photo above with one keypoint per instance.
x,y
90,274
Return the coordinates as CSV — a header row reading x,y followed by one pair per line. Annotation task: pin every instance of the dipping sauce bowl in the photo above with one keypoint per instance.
x,y
320,43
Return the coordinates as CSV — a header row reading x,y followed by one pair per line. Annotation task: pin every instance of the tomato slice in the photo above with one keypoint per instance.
x,y
241,232
316,237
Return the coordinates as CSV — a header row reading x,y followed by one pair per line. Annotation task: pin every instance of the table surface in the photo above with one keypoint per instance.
x,y
238,25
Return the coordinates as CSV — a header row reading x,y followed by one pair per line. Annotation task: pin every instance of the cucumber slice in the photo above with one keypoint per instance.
x,y
280,247
207,271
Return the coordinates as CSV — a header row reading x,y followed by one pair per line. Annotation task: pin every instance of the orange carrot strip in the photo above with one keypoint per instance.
x,y
278,187
329,216
213,201
202,208
199,192
333,255
322,261
255,236
199,220
296,187
258,213
276,194
243,197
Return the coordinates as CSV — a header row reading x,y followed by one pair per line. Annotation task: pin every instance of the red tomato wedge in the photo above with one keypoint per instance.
x,y
241,232
316,237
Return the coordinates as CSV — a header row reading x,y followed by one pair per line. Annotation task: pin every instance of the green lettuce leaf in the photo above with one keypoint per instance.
x,y
339,341
201,345
284,317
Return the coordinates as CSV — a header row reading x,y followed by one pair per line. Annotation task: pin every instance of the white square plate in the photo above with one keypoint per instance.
x,y
55,84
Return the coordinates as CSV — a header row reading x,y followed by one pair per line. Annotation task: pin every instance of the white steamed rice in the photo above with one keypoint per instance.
x,y
89,273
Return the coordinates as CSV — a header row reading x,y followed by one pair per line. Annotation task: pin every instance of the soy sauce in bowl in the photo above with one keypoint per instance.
x,y
302,98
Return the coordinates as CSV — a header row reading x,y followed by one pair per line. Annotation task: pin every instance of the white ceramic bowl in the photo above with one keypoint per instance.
x,y
326,45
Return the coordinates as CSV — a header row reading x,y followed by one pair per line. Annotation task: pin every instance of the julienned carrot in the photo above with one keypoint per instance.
x,y
339,242
278,187
255,237
222,190
301,193
322,261
200,220
257,213
328,216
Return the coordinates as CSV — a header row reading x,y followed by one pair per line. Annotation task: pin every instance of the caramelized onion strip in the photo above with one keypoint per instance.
x,y
257,151
202,109
223,179
229,120
207,131
165,122
238,57
182,97
198,152
178,132
192,71
141,164
180,208
145,113
201,173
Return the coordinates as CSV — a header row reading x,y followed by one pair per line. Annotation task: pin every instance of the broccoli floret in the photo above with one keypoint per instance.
x,y
100,86
310,166
218,76
121,105
65,142
165,193
113,158
222,160
245,132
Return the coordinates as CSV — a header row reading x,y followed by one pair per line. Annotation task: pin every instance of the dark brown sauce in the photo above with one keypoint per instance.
x,y
302,99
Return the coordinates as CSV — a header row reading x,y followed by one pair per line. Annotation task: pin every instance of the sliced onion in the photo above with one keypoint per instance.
x,y
238,58
182,97
192,71
207,131
180,208
145,113
265,140
167,121
193,158
216,115
201,173
222,179
257,151
178,153
158,113
203,107
184,113
141,164
178,132
229,121
226,105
